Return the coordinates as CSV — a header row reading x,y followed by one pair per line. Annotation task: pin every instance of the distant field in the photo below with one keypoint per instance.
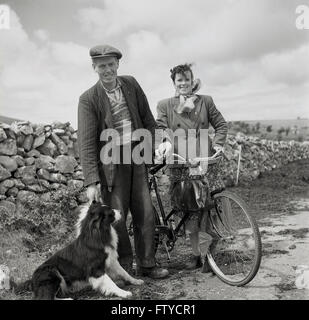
x,y
277,124
294,129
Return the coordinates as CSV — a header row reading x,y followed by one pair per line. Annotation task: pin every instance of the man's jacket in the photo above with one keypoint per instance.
x,y
94,116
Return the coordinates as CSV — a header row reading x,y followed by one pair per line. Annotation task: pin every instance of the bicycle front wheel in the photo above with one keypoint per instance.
x,y
236,251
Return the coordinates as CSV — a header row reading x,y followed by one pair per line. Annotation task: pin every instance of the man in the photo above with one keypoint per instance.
x,y
116,102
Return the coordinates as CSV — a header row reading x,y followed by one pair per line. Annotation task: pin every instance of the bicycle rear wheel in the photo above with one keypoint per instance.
x,y
236,251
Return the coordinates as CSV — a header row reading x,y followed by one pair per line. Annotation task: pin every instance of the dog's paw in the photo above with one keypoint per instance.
x,y
138,282
125,294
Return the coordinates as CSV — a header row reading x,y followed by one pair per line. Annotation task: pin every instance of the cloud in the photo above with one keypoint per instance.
x,y
248,54
213,31
41,81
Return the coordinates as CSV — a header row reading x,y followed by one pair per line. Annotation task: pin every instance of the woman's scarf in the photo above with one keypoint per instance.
x,y
186,102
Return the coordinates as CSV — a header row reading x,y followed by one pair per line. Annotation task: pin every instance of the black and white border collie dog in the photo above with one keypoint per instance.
x,y
91,259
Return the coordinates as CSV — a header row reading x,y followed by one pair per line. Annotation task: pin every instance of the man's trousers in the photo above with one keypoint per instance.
x,y
131,191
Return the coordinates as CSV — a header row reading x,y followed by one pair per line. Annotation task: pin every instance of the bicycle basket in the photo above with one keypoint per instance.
x,y
189,194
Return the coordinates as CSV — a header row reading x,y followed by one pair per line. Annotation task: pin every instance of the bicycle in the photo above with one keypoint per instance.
x,y
235,252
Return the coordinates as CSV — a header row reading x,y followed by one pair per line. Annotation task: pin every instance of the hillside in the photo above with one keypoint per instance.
x,y
293,129
7,120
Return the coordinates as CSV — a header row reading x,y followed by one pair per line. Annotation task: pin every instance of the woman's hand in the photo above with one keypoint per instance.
x,y
218,148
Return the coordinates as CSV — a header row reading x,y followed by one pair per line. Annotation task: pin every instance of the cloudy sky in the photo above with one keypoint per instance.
x,y
249,54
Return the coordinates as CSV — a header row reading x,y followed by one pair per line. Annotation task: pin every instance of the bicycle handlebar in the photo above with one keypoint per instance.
x,y
211,160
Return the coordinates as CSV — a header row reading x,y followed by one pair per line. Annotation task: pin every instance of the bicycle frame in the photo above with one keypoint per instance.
x,y
169,231
165,218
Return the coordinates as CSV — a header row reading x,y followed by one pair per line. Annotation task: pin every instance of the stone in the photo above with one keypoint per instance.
x,y
27,145
10,134
68,134
43,174
39,130
8,163
59,132
62,147
60,125
3,135
29,161
65,164
57,177
8,147
55,186
38,141
19,160
67,141
3,188
75,185
18,184
26,129
43,183
4,173
47,128
74,136
34,153
71,129
9,183
4,125
8,206
13,192
21,152
48,148
45,162
37,188
27,174
78,175
27,196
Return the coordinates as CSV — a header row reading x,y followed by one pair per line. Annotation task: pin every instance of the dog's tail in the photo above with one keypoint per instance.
x,y
22,287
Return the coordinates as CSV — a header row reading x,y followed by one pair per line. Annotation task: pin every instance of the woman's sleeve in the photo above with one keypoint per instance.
x,y
162,121
218,123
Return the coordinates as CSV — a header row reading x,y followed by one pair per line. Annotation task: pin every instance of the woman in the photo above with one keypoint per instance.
x,y
187,110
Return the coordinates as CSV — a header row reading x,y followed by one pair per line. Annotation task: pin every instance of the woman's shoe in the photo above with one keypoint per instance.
x,y
195,262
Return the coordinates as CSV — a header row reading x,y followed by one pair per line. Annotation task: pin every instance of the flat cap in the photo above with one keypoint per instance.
x,y
104,50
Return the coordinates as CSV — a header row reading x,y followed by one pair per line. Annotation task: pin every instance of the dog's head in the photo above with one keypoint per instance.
x,y
96,218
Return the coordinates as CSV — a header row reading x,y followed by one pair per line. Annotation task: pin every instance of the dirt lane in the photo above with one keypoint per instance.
x,y
285,246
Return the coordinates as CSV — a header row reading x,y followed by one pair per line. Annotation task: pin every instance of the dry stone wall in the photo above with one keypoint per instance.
x,y
36,160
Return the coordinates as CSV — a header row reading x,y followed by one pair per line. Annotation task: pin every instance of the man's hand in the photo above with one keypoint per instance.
x,y
94,192
164,150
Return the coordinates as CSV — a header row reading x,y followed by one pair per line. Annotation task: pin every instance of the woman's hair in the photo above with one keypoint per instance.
x,y
181,68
